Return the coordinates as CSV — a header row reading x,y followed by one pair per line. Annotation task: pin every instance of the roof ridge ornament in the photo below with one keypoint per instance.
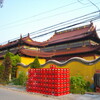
x,y
91,22
28,35
20,36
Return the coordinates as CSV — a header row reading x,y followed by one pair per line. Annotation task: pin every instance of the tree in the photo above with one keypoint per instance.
x,y
36,63
10,62
8,66
15,59
2,68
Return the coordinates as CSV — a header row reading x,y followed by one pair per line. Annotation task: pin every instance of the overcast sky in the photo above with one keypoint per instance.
x,y
26,16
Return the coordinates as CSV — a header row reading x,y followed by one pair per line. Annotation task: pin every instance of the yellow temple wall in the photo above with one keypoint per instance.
x,y
89,58
78,68
0,61
27,61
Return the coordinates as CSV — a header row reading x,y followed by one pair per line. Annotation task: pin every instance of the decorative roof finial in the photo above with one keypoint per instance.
x,y
28,35
8,41
91,22
20,36
55,32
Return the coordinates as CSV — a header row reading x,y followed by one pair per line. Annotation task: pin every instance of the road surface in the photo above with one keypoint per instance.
x,y
15,94
7,94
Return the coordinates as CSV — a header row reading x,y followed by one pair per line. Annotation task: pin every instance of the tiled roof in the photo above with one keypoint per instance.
x,y
73,34
59,37
9,44
78,50
33,53
67,36
30,42
13,51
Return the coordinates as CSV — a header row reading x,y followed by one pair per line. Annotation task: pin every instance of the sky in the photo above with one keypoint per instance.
x,y
20,17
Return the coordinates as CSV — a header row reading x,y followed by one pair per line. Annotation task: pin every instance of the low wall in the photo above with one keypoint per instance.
x,y
77,66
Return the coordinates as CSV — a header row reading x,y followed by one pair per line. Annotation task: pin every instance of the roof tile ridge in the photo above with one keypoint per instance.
x,y
74,29
32,40
91,27
51,37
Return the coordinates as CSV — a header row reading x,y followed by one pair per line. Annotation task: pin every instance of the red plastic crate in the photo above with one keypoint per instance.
x,y
53,81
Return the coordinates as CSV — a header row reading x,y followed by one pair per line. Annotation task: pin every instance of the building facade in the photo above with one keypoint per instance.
x,y
77,42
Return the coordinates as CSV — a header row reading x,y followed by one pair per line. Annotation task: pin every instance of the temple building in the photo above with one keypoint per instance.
x,y
77,42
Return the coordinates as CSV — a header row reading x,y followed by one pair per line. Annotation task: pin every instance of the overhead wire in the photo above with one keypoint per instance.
x,y
39,14
82,22
68,27
87,20
32,21
53,26
62,23
94,4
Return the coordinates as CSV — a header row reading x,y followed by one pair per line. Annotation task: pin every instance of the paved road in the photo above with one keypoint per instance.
x,y
13,94
6,94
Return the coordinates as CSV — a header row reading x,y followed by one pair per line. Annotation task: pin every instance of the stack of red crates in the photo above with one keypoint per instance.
x,y
49,81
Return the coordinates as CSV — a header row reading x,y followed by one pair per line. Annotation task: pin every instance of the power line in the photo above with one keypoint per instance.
x,y
82,22
41,13
92,4
62,23
44,17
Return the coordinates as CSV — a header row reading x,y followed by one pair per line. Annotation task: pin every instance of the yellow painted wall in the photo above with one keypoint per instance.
x,y
78,68
89,58
97,56
26,61
1,61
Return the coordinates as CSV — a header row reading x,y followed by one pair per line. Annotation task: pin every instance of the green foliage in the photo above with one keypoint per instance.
x,y
21,80
14,71
88,88
2,68
78,84
14,58
8,68
35,64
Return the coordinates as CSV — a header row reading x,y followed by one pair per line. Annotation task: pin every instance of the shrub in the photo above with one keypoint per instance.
x,y
2,68
78,84
21,80
89,87
35,64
